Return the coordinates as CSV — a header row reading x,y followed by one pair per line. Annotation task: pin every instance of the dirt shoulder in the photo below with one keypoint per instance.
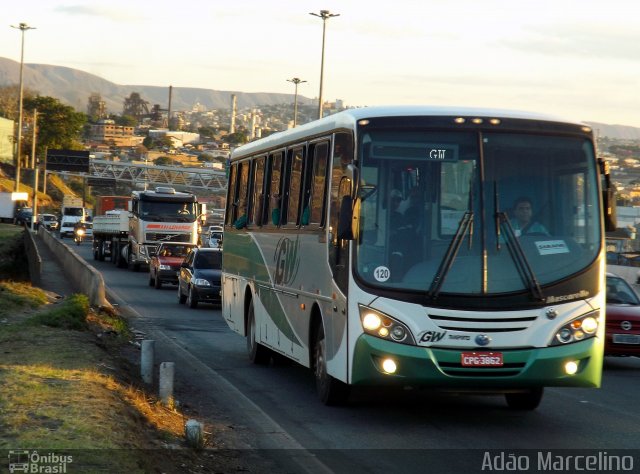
x,y
70,387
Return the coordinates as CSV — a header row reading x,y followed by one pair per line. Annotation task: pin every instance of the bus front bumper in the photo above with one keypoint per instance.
x,y
442,368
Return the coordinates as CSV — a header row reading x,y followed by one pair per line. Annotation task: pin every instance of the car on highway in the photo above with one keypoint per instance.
x,y
199,279
622,333
165,264
48,221
24,216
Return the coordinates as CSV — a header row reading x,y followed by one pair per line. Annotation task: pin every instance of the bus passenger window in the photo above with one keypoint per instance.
x,y
274,192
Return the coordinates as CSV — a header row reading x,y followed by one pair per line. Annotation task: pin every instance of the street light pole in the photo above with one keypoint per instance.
x,y
22,27
324,14
296,81
34,165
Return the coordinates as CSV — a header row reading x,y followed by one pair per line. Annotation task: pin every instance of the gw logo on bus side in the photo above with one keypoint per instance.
x,y
432,336
287,259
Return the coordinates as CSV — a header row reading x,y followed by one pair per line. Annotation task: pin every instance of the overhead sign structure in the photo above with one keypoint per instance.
x,y
68,160
95,182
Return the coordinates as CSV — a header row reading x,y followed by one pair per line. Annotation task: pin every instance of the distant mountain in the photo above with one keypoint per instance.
x,y
624,132
74,87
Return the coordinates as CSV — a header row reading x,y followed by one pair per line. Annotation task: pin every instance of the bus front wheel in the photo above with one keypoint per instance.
x,y
528,400
331,391
258,354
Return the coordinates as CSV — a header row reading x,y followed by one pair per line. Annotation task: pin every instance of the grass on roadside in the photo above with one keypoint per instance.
x,y
61,390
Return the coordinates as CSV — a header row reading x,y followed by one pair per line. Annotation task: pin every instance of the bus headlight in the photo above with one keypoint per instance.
x,y
579,329
383,326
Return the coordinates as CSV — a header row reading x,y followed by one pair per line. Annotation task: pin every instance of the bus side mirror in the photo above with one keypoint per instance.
x,y
608,198
345,230
348,224
609,209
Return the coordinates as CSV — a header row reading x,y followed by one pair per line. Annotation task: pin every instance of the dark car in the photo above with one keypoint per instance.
x,y
24,216
622,335
199,279
165,264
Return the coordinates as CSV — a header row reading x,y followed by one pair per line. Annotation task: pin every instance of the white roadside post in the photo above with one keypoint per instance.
x,y
194,432
146,360
167,372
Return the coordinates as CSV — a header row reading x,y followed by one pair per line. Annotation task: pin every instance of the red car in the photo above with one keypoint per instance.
x,y
165,264
622,334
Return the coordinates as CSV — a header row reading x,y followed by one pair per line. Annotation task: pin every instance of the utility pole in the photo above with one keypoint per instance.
x,y
34,165
324,14
22,27
296,81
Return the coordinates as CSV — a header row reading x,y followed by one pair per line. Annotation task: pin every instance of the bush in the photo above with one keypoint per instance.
x,y
70,314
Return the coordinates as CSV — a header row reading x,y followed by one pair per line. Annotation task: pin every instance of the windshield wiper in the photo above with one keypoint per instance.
x,y
466,225
515,250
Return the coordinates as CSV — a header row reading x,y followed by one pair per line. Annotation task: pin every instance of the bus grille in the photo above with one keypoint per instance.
x,y
482,324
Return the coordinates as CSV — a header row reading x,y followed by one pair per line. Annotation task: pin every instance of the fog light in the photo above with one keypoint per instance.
x,y
383,332
389,366
571,367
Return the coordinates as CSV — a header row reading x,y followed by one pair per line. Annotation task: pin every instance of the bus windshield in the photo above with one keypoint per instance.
x,y
474,213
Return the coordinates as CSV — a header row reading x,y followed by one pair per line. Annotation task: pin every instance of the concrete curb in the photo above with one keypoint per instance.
x,y
82,275
33,257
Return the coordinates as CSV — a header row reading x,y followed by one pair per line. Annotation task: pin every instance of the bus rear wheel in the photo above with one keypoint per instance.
x,y
258,354
528,400
331,391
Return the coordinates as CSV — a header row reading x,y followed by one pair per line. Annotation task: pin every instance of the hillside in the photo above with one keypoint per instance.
x,y
74,87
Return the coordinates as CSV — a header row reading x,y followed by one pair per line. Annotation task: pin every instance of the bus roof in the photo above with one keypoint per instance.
x,y
348,118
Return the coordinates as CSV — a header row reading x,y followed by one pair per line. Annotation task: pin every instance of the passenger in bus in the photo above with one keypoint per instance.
x,y
241,221
413,213
396,218
275,209
523,224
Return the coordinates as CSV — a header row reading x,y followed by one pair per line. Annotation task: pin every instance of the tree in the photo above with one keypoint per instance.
x,y
236,138
205,157
207,131
59,126
9,96
147,142
125,120
163,161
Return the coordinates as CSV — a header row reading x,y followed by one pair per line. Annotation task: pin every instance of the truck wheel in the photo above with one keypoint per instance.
x,y
134,267
101,251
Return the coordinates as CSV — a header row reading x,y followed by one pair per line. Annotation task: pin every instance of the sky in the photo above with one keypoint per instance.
x,y
577,59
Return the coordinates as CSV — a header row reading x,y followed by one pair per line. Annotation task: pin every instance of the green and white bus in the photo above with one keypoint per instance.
x,y
378,246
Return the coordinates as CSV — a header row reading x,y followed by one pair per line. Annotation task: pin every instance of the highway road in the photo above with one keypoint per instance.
x,y
412,431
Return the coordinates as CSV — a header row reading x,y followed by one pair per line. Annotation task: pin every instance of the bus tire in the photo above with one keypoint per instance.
x,y
331,391
258,354
525,400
